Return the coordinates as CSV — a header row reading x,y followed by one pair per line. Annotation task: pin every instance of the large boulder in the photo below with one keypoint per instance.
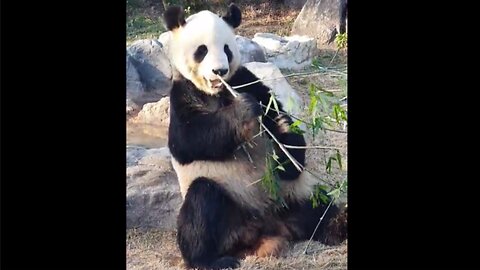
x,y
132,108
155,113
164,39
250,51
153,67
134,86
294,52
321,19
153,194
295,4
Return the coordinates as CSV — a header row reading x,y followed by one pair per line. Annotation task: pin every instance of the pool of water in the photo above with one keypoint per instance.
x,y
146,135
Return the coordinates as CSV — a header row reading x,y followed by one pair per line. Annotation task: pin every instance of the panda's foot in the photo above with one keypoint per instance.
x,y
225,262
270,246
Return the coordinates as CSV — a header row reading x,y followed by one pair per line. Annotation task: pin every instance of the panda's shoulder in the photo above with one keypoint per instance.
x,y
182,89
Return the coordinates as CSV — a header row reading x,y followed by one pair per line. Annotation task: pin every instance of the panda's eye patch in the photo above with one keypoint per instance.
x,y
200,53
228,53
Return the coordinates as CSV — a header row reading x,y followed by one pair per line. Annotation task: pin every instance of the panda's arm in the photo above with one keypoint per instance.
x,y
277,123
199,134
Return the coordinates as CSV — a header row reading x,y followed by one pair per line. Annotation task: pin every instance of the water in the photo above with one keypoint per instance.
x,y
146,135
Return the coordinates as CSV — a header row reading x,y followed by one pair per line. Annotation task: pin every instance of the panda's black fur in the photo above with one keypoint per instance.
x,y
215,228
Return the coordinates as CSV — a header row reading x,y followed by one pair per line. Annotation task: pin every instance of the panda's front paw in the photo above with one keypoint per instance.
x,y
249,107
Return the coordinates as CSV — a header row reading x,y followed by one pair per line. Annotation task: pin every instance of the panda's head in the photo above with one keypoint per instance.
x,y
203,45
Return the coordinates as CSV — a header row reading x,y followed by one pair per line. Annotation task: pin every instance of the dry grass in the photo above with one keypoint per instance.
x,y
155,249
265,18
257,17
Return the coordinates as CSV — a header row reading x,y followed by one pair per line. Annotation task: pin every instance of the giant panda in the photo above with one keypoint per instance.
x,y
226,213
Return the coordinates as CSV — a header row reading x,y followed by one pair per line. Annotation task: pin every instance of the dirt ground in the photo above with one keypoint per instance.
x,y
156,249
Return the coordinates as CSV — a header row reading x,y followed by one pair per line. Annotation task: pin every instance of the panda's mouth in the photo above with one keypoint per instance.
x,y
215,84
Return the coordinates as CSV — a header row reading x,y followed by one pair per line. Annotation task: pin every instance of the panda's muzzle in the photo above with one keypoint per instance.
x,y
221,71
215,83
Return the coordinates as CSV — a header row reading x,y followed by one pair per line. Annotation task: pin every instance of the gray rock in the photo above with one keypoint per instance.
x,y
164,39
156,113
153,68
321,20
290,99
132,107
294,52
250,50
153,194
134,85
296,4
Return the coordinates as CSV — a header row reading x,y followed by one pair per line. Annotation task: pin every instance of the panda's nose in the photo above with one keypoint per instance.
x,y
220,72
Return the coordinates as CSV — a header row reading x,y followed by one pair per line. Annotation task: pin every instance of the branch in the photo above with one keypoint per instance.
x,y
282,147
310,147
294,161
318,224
335,130
276,78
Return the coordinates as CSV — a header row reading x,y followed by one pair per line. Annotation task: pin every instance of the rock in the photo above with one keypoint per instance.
x,y
153,194
156,113
321,20
149,127
296,4
132,108
250,51
140,155
153,68
292,102
134,85
294,52
164,39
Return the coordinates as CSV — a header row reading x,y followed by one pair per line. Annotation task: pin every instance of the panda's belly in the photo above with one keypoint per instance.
x,y
238,175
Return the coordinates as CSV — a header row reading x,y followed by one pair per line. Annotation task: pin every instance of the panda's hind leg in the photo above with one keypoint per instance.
x,y
203,225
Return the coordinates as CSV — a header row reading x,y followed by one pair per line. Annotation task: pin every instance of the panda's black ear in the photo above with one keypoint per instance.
x,y
233,16
174,17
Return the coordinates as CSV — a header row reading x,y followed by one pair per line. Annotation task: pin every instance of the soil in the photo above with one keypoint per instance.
x,y
157,250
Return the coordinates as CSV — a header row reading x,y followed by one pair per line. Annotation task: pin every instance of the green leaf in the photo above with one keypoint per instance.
x,y
313,100
280,167
317,125
329,164
335,193
339,160
294,127
290,104
336,113
318,196
323,101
